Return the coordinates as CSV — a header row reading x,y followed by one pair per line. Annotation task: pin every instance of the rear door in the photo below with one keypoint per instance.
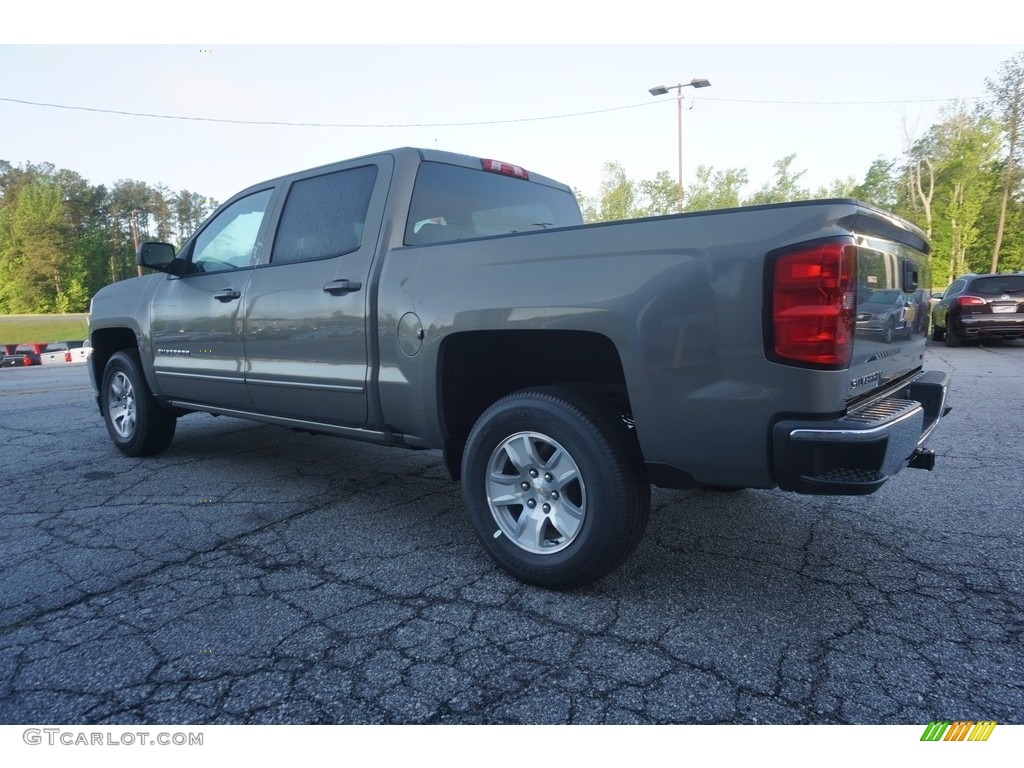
x,y
305,322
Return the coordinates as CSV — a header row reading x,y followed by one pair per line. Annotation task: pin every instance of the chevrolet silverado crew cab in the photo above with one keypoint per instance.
x,y
431,300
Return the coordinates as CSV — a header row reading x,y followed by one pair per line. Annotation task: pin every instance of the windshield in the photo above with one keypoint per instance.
x,y
884,297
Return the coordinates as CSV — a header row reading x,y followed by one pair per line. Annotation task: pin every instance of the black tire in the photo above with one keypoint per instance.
x,y
938,333
953,339
887,333
573,524
137,424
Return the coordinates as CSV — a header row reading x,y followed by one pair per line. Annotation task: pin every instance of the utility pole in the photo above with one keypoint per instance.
x,y
133,225
661,90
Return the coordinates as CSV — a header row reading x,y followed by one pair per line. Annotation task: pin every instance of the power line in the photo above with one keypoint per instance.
x,y
290,124
317,125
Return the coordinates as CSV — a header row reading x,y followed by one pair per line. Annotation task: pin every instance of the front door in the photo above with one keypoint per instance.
x,y
196,320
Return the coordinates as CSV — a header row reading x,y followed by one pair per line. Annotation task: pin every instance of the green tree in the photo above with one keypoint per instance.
x,y
34,253
1008,93
191,208
617,198
837,189
962,149
132,207
784,187
713,189
660,195
163,203
62,239
879,187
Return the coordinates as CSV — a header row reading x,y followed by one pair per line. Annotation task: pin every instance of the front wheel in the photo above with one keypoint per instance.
x,y
555,487
888,332
138,425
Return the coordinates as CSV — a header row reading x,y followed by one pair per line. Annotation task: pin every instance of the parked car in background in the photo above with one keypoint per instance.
x,y
885,314
66,352
23,355
54,352
78,354
976,307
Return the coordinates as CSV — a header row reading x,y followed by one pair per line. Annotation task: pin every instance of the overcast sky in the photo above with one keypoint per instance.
x,y
559,108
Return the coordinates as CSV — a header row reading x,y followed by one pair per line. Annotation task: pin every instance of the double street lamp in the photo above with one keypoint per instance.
x,y
661,90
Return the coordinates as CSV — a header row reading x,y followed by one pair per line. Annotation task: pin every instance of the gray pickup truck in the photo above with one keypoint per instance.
x,y
425,299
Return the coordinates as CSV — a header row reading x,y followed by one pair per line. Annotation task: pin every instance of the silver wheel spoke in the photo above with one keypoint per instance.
x,y
530,529
563,468
508,498
121,405
522,453
567,519
504,489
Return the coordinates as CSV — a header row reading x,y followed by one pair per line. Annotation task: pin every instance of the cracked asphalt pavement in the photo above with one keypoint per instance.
x,y
253,575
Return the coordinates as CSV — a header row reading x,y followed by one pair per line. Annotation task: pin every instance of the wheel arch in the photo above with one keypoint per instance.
x,y
105,343
477,368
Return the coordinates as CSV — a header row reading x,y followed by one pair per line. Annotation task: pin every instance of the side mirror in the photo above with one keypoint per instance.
x,y
158,256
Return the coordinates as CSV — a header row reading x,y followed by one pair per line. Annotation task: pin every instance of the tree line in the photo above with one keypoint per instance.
x,y
62,238
961,182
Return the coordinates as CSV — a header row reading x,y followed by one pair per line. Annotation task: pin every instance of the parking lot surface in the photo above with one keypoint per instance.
x,y
253,575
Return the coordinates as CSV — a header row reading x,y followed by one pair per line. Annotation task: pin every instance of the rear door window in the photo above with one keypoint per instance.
x,y
324,216
956,288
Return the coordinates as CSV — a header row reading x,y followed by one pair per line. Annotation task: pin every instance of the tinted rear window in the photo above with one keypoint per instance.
x,y
450,202
998,285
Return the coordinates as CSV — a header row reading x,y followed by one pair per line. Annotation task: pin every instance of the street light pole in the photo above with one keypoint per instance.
x,y
661,90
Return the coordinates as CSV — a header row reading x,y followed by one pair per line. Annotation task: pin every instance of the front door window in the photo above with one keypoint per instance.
x,y
230,240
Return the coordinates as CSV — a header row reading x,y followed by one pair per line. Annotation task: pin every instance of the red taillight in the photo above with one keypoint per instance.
x,y
970,301
507,169
813,304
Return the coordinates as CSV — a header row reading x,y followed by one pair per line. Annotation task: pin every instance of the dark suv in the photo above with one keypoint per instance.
x,y
980,306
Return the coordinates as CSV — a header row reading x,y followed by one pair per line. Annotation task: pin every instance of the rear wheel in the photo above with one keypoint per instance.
x,y
555,487
138,425
953,339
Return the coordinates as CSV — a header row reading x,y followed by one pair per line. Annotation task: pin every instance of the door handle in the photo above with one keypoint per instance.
x,y
341,287
227,295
